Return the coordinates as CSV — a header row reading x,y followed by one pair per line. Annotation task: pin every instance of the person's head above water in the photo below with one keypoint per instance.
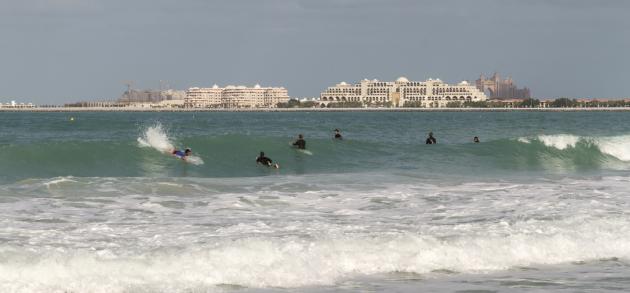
x,y
431,134
300,136
476,139
187,151
337,130
262,154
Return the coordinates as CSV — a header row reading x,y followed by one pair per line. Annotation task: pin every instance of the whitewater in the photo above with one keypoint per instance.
x,y
100,205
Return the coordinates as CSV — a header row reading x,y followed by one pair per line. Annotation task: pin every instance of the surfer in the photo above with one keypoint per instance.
x,y
431,139
182,154
476,139
263,160
300,143
338,134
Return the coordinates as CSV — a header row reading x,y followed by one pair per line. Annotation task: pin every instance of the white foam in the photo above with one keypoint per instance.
x,y
559,141
58,181
155,137
193,238
293,262
616,146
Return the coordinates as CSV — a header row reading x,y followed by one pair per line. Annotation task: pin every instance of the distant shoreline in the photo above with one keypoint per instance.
x,y
138,109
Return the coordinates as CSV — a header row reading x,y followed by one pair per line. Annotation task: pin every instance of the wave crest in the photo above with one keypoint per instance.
x,y
293,262
614,146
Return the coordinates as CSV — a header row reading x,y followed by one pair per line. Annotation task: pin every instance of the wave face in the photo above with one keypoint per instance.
x,y
233,155
617,147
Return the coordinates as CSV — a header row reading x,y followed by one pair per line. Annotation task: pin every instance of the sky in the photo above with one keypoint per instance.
x,y
57,51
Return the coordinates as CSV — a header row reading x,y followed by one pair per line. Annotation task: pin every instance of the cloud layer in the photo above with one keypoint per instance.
x,y
55,51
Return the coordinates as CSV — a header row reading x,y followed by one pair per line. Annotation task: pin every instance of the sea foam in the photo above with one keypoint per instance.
x,y
262,262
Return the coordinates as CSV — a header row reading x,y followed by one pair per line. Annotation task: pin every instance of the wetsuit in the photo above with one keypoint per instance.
x,y
338,136
431,140
300,143
264,160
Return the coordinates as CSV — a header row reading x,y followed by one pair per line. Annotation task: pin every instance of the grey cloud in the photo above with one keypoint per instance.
x,y
63,50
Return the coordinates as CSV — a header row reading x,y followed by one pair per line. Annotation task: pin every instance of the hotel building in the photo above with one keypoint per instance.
x,y
235,97
432,93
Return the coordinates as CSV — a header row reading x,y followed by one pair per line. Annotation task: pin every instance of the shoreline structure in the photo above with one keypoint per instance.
x,y
144,109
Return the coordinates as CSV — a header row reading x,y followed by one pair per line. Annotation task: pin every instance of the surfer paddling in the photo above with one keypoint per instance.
x,y
265,161
181,154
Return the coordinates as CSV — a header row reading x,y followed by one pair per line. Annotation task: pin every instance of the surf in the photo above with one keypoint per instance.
x,y
147,153
157,138
291,262
617,147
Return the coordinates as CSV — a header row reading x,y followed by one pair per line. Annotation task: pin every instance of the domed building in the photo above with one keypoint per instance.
x,y
431,93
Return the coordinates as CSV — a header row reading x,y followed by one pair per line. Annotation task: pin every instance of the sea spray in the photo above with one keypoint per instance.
x,y
156,137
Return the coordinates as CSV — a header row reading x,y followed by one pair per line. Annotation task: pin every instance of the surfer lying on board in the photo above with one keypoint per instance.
x,y
266,161
182,154
300,143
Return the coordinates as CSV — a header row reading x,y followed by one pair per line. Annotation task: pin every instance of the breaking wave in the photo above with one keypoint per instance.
x,y
614,146
232,155
261,262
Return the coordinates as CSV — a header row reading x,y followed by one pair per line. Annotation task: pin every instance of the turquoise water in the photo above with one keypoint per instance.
x,y
105,144
98,205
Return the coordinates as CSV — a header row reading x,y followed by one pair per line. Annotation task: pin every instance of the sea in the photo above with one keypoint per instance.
x,y
94,202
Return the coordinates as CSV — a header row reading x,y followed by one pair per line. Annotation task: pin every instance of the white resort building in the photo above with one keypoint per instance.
x,y
432,93
15,105
235,97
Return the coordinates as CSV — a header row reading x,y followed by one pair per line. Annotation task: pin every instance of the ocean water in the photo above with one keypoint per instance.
x,y
97,205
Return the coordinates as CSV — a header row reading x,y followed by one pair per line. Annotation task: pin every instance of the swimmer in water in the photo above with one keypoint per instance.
x,y
431,139
338,134
263,160
300,143
476,139
182,154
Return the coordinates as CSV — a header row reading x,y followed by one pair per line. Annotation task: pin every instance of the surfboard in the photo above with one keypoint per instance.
x,y
194,160
306,152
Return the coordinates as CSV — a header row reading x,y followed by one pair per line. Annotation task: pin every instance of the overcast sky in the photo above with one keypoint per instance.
x,y
55,51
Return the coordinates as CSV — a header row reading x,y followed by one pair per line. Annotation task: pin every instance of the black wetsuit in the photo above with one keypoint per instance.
x,y
338,136
264,160
300,143
431,140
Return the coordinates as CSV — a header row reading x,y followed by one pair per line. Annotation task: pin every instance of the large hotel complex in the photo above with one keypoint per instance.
x,y
432,93
235,97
